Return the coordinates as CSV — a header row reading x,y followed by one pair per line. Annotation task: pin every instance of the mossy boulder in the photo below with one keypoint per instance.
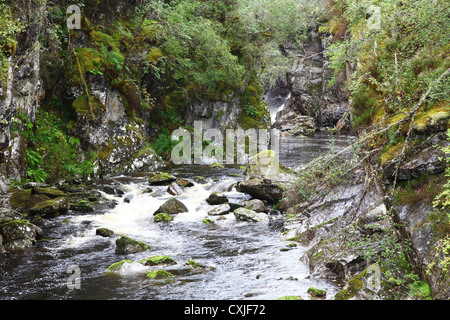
x,y
117,265
162,178
52,207
157,261
104,232
49,192
316,293
172,206
162,217
22,200
126,245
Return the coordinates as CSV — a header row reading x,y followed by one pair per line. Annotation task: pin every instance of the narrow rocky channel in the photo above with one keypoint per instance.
x,y
226,259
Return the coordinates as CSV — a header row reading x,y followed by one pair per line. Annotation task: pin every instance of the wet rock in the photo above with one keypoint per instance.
x,y
161,179
104,232
82,206
126,245
220,210
51,193
31,185
183,183
217,198
255,205
263,189
174,189
243,214
162,217
111,190
316,293
157,261
200,179
22,200
52,207
172,206
158,274
18,234
265,178
128,198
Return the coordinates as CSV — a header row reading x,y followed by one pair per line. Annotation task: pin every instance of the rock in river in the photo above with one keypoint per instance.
x,y
217,198
172,206
125,245
220,210
243,214
161,179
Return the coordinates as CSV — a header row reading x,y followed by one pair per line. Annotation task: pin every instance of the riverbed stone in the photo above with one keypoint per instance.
x,y
172,206
126,245
243,214
256,205
220,210
161,179
217,198
174,189
104,232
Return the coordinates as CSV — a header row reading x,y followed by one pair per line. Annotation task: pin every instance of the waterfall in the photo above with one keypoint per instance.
x,y
277,99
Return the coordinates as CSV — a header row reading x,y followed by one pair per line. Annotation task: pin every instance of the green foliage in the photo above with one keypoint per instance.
x,y
51,153
396,63
9,28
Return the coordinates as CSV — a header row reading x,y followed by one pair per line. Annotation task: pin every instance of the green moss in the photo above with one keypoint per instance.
x,y
163,217
23,200
253,107
208,221
437,112
81,105
116,265
158,274
319,293
354,285
157,260
154,55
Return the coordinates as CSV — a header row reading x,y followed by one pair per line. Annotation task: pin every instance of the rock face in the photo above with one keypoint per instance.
x,y
21,92
311,94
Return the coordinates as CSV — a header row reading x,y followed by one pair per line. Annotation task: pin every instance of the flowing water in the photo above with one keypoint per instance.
x,y
246,259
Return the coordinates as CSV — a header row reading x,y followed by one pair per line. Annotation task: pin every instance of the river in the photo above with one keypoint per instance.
x,y
248,260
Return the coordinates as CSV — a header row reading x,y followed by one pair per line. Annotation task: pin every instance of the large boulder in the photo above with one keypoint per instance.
x,y
161,178
172,206
295,124
265,178
51,207
18,234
